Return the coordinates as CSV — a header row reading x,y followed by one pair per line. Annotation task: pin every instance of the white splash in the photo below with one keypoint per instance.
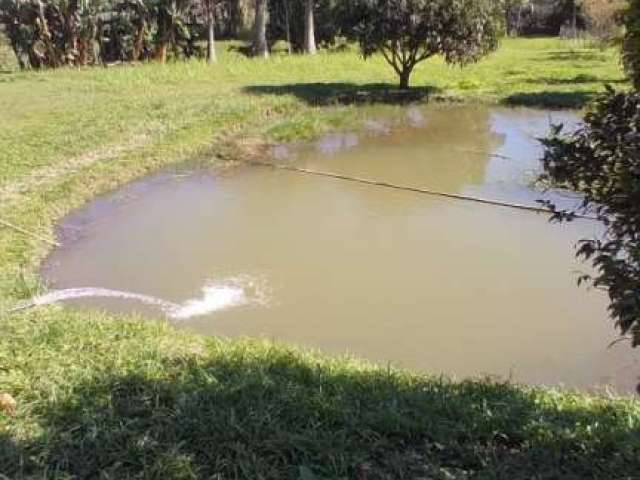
x,y
215,297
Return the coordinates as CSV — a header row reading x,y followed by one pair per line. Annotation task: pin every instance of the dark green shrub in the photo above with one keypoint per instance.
x,y
631,45
602,161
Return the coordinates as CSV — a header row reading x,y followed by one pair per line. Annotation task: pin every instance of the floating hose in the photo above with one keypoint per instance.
x,y
433,193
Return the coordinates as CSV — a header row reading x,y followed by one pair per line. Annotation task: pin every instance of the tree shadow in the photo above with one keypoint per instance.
x,y
576,80
279,415
546,99
245,49
320,94
574,55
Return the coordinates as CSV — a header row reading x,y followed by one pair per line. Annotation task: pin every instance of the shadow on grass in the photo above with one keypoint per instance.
x,y
7,76
279,415
345,93
574,55
551,99
577,80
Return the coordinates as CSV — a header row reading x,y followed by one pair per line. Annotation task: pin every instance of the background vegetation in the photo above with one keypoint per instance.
x,y
53,33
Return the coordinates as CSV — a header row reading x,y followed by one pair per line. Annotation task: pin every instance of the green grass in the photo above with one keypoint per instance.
x,y
109,398
106,397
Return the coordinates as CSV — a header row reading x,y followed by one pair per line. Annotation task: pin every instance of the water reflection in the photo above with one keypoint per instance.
x,y
448,152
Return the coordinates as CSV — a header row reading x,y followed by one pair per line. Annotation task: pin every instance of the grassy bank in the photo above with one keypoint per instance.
x,y
105,397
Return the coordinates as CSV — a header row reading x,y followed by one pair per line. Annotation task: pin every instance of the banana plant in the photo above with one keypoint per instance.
x,y
140,14
170,26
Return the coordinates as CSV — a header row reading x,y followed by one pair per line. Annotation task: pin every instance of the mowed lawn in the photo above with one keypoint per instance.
x,y
99,396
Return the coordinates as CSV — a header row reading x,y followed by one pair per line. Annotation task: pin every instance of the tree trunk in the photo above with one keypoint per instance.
x,y
508,10
37,60
242,17
45,36
405,75
309,29
166,31
260,46
83,53
287,22
138,42
17,46
211,37
96,42
161,51
72,20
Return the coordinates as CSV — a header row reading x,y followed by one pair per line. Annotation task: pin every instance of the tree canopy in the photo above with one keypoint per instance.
x,y
407,32
52,33
631,45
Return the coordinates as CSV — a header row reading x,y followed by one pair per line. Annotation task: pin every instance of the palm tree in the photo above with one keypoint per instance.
x,y
166,11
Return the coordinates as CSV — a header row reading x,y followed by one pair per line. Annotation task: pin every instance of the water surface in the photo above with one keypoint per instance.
x,y
431,284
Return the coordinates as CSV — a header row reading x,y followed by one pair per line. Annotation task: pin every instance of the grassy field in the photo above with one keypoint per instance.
x,y
105,397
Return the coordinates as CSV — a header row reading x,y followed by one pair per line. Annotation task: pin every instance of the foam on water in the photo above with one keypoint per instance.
x,y
215,297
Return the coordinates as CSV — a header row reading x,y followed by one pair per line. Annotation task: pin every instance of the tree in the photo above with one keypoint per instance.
x,y
602,17
306,24
260,45
631,44
241,16
209,12
141,24
56,33
309,28
19,32
601,160
42,34
166,15
513,14
407,32
72,27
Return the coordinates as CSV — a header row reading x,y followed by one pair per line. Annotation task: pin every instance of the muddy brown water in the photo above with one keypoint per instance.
x,y
431,284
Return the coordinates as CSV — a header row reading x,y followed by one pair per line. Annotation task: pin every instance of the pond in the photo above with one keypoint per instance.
x,y
424,282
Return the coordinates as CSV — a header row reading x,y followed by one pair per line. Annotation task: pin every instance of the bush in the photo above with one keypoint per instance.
x,y
631,46
602,161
